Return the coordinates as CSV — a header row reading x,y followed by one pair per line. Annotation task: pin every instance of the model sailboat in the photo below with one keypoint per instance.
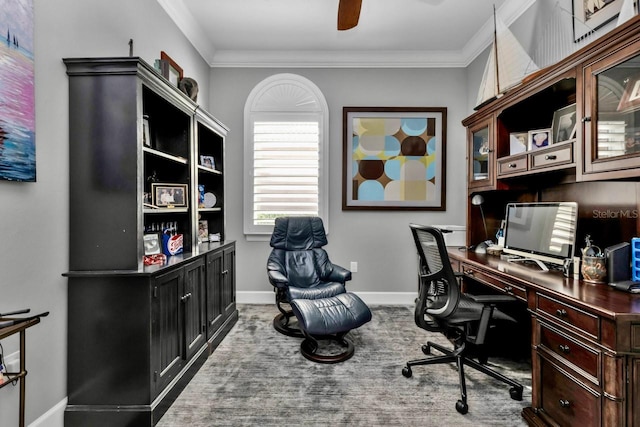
x,y
507,65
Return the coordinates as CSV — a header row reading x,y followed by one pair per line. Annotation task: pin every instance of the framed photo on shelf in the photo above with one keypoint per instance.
x,y
630,99
539,139
564,124
170,69
207,162
203,231
170,195
518,142
152,244
146,134
394,158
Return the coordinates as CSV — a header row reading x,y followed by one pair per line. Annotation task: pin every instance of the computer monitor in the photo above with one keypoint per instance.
x,y
543,232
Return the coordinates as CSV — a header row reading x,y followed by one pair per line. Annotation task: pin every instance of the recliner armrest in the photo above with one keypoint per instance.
x,y
277,279
339,274
491,299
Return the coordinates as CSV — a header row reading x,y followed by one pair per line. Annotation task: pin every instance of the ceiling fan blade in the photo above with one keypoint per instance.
x,y
348,14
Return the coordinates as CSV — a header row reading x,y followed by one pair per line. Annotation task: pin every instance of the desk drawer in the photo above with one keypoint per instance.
x,y
512,165
570,351
584,322
551,158
568,402
494,282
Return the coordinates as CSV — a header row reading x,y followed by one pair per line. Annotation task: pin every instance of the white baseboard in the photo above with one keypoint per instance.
x,y
54,417
371,298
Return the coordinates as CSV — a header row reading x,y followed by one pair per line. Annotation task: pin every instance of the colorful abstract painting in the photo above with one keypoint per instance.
x,y
17,92
394,158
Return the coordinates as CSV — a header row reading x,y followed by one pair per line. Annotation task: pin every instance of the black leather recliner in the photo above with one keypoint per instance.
x,y
299,268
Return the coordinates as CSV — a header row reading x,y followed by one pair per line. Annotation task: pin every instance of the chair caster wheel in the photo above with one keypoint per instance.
x,y
406,372
462,407
516,393
426,349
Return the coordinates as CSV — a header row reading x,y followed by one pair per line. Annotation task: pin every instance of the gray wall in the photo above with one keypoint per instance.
x,y
378,240
34,216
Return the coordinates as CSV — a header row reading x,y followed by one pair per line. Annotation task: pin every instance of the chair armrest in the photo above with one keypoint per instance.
x,y
277,279
339,274
491,299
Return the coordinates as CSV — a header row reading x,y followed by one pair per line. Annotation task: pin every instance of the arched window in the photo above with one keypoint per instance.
x,y
286,126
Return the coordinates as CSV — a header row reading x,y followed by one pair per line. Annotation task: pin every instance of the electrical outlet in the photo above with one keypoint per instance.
x,y
354,266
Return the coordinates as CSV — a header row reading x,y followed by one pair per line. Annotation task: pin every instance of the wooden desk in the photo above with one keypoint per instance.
x,y
585,342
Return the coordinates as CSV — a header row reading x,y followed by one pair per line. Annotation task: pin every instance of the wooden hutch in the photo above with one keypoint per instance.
x,y
585,337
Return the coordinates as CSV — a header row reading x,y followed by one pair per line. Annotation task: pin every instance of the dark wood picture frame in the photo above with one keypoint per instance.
x,y
170,69
394,158
177,195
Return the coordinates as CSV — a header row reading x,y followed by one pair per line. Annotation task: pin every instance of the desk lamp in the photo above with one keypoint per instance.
x,y
481,248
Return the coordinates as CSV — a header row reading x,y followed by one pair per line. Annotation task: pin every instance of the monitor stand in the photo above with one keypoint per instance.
x,y
541,264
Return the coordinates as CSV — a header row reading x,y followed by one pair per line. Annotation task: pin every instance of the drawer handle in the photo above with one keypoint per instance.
x,y
513,165
565,403
561,312
185,297
225,272
508,289
564,348
468,272
550,157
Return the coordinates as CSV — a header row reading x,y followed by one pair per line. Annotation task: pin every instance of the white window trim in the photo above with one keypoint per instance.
x,y
262,104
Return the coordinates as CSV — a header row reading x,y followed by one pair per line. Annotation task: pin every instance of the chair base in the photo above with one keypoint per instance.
x,y
461,360
281,324
309,348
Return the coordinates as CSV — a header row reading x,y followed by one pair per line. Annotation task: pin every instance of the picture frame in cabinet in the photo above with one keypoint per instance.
x,y
564,125
518,142
152,244
170,195
208,162
539,139
203,231
146,133
170,69
630,100
588,16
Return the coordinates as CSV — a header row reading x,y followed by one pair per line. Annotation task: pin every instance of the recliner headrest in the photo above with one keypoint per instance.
x,y
298,233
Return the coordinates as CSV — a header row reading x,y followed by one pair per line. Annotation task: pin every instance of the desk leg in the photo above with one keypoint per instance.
x,y
22,380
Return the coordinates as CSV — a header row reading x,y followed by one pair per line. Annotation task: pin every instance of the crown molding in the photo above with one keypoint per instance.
x,y
177,11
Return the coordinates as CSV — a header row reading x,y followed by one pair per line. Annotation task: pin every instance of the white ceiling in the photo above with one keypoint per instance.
x,y
302,33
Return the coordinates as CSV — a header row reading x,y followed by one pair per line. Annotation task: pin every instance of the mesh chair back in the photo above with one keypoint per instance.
x,y
439,290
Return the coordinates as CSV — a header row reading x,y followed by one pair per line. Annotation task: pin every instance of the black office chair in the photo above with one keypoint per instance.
x,y
299,268
463,318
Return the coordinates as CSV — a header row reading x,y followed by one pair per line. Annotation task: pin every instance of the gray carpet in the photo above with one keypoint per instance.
x,y
257,377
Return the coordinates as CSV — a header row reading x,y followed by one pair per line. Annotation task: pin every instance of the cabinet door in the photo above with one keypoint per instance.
x,y
166,348
229,280
481,156
612,116
214,292
193,300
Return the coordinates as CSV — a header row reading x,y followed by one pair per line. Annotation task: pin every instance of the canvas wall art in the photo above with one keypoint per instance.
x,y
17,91
394,158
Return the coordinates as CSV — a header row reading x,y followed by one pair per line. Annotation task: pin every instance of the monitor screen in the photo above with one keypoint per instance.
x,y
544,231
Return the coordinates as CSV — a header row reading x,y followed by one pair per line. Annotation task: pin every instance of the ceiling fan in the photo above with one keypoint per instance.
x,y
349,12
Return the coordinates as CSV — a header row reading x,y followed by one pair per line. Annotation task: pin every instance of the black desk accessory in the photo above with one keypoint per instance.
x,y
618,262
627,286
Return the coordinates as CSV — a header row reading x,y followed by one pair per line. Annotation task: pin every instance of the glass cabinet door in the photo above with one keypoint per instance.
x,y
612,115
481,158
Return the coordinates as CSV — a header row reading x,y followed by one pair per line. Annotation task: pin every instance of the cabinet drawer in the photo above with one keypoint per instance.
x,y
584,322
506,287
570,351
568,402
512,165
551,158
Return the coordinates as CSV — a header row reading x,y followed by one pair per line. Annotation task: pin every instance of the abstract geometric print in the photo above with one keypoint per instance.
x,y
395,160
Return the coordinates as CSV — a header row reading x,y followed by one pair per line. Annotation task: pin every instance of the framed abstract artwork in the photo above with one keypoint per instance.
x,y
394,158
17,92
